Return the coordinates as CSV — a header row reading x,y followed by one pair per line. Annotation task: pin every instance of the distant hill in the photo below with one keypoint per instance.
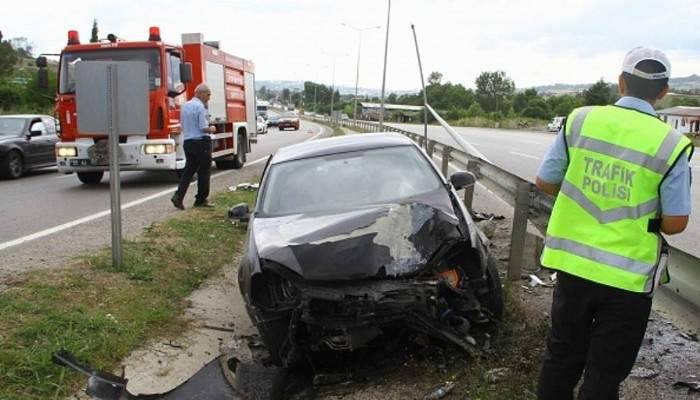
x,y
691,83
299,85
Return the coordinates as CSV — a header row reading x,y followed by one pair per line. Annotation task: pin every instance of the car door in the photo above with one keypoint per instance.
x,y
49,153
36,143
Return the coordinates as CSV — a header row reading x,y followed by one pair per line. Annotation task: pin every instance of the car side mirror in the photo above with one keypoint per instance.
x,y
186,72
239,212
462,179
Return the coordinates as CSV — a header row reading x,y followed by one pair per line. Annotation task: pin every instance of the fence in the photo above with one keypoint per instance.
x,y
529,204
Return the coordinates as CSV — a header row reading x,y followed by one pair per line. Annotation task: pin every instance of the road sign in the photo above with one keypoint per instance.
x,y
112,100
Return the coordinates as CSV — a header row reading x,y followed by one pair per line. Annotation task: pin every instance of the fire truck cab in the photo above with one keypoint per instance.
x,y
173,73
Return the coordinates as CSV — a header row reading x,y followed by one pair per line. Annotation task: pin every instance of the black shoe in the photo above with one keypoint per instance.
x,y
203,204
177,202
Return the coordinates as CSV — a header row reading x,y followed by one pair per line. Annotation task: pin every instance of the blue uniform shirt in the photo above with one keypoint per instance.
x,y
675,189
194,118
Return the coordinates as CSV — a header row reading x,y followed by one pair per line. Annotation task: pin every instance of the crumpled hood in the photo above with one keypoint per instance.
x,y
387,240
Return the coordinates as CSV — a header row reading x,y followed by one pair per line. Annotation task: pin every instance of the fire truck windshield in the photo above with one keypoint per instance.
x,y
69,59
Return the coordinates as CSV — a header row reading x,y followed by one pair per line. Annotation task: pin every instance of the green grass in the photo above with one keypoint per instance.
x,y
101,313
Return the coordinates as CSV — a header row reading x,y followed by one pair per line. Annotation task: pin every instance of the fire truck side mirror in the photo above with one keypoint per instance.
x,y
186,72
41,62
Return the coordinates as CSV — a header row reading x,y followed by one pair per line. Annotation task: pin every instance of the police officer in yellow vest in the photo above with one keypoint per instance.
x,y
621,178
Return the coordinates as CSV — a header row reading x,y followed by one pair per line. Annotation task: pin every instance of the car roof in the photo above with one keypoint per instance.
x,y
341,144
26,116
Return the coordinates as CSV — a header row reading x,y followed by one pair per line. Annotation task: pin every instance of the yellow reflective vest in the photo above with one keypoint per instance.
x,y
599,229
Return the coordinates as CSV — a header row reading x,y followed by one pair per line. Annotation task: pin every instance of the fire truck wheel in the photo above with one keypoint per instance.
x,y
90,178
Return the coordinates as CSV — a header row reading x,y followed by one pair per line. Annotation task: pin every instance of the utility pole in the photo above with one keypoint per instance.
x,y
425,94
357,74
386,49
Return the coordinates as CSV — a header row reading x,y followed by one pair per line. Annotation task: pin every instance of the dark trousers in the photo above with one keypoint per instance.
x,y
198,153
597,329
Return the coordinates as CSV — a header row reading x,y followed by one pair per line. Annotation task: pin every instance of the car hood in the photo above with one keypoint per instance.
x,y
382,241
7,138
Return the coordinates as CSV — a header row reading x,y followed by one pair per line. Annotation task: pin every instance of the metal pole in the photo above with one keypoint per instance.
x,y
386,49
425,95
114,183
519,232
332,90
357,74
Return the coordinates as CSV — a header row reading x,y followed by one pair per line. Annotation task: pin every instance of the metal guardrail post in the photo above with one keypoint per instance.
x,y
446,160
431,148
519,231
472,166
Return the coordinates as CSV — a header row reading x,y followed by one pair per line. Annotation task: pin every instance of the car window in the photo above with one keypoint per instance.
x,y
12,126
50,125
347,180
38,126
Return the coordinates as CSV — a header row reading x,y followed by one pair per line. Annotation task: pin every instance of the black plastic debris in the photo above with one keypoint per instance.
x,y
693,387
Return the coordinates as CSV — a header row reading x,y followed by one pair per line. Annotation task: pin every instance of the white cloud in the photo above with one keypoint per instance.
x,y
535,42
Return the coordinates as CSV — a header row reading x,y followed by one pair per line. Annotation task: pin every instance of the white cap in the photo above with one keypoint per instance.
x,y
638,54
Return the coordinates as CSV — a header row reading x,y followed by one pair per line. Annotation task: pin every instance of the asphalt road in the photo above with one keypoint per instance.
x,y
45,199
521,152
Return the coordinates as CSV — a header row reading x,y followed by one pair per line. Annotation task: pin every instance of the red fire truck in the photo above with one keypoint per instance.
x,y
173,73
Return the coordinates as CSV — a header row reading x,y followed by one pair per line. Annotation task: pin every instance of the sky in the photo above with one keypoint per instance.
x,y
534,42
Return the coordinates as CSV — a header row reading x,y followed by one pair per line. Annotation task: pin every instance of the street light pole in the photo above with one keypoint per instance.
x,y
386,49
425,95
357,73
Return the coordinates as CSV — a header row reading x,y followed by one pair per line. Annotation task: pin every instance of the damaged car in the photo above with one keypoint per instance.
x,y
355,235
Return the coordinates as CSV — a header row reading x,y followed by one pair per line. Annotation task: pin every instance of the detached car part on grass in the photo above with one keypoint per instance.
x,y
321,276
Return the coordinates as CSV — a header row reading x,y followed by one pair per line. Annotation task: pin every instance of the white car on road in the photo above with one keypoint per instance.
x,y
262,125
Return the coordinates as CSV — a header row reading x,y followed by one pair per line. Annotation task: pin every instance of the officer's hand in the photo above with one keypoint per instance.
x,y
211,129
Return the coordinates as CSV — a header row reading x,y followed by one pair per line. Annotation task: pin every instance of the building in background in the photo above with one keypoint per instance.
x,y
681,118
392,112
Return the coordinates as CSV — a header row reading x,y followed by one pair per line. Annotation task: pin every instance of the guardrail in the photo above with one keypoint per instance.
x,y
529,204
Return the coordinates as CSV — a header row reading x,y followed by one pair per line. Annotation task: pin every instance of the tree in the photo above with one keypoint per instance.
x,y
475,110
22,47
391,99
94,37
434,78
492,88
600,94
8,57
285,94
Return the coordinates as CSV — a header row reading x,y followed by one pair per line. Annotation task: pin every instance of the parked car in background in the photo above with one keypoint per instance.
x,y
26,142
329,270
288,120
273,120
262,125
556,124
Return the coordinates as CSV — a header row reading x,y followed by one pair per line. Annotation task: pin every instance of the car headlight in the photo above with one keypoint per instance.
x,y
62,151
158,148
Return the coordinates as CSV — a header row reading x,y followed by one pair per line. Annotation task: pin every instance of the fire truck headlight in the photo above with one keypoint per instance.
x,y
66,151
158,148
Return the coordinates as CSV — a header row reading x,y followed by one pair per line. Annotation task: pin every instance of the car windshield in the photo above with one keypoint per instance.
x,y
69,60
11,126
347,180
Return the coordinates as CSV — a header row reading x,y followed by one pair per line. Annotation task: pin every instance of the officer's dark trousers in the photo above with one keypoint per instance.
x,y
596,330
198,153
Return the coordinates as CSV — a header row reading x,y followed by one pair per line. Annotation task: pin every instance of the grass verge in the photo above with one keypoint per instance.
x,y
101,313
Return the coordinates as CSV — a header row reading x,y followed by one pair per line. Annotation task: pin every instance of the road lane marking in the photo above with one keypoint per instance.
x,y
134,203
524,155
